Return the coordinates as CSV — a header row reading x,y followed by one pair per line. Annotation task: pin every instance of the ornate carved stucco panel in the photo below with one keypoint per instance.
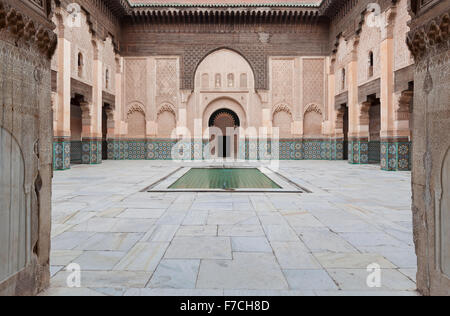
x,y
166,80
81,42
109,64
369,41
313,81
283,81
27,45
135,80
402,55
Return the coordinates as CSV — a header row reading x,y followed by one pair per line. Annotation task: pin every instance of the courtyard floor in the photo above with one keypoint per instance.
x,y
129,242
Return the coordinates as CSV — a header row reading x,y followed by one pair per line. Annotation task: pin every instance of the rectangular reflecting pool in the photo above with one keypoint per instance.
x,y
225,179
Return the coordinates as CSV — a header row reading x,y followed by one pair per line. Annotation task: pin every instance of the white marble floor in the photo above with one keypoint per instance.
x,y
129,242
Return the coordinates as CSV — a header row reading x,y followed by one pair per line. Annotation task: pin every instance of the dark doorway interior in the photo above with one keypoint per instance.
x,y
76,127
374,130
225,146
345,128
104,132
226,121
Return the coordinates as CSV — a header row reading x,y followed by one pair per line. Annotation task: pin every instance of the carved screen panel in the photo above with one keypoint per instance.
x,y
445,216
13,214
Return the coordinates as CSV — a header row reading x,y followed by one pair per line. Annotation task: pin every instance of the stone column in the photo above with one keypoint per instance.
x,y
335,132
27,43
358,134
89,145
395,142
61,142
429,42
92,124
114,116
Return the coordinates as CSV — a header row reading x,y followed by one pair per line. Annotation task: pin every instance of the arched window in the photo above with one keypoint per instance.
x,y
218,81
80,64
205,81
230,79
244,81
371,63
107,78
343,79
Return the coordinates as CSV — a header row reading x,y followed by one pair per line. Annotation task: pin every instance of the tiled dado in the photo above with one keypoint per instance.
x,y
61,153
358,151
249,149
311,149
396,154
91,151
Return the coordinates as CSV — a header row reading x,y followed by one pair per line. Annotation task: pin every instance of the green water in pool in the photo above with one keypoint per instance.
x,y
225,179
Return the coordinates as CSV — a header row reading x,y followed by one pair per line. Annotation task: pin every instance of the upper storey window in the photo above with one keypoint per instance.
x,y
371,64
218,81
244,80
205,81
344,79
230,79
107,78
80,65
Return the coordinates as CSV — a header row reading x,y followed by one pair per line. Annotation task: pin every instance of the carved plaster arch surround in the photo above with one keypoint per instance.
x,y
313,107
282,107
224,103
135,107
167,107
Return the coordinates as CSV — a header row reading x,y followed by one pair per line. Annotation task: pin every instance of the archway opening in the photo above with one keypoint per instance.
x,y
76,129
374,130
224,133
104,131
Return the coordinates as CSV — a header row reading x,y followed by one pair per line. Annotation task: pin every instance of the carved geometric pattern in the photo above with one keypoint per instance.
x,y
136,80
313,79
167,107
166,78
369,40
135,107
283,79
194,54
281,108
313,108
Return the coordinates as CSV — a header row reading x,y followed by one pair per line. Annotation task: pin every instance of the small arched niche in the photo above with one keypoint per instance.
x,y
312,121
167,122
282,120
136,122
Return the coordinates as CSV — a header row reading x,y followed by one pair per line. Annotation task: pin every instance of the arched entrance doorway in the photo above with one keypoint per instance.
x,y
224,133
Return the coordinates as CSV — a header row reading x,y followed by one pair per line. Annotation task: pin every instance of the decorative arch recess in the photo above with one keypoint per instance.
x,y
312,120
236,120
313,108
255,55
135,107
167,107
281,108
